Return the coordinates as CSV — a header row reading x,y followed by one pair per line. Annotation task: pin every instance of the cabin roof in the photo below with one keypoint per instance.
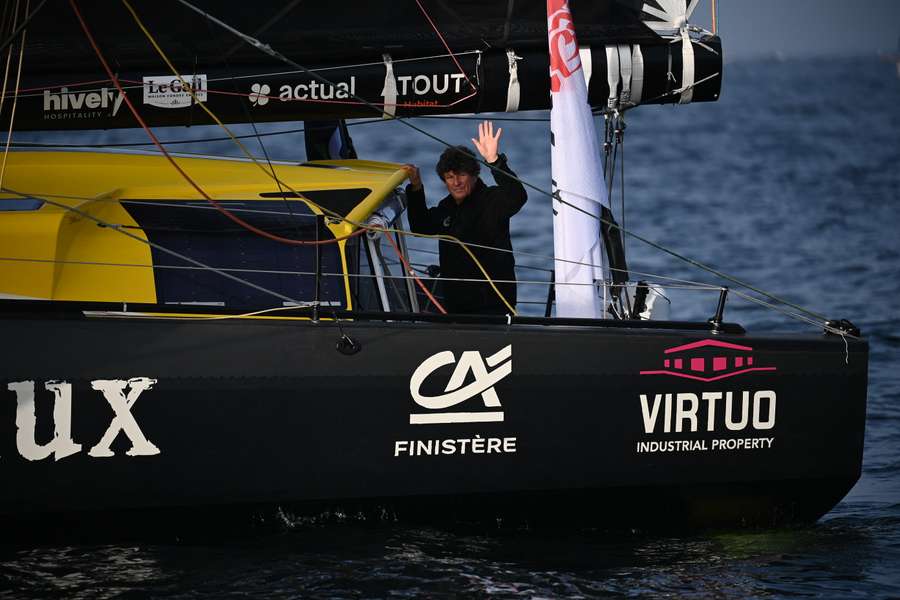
x,y
73,178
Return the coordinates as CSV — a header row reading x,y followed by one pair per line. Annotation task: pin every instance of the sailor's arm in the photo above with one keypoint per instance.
x,y
420,220
512,192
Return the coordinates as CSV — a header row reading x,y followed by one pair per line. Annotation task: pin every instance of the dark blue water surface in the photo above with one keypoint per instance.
x,y
790,182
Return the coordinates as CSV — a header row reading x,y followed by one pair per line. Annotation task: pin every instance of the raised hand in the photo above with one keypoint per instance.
x,y
488,143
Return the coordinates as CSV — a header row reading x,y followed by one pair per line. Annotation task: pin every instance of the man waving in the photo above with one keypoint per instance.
x,y
476,214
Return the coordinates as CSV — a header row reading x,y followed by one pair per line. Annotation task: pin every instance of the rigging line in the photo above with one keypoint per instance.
x,y
418,281
27,92
240,316
12,112
622,181
201,207
794,315
185,141
326,274
444,42
280,14
178,255
361,227
178,168
249,117
24,24
9,54
465,118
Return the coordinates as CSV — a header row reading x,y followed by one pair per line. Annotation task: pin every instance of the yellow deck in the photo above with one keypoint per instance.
x,y
46,253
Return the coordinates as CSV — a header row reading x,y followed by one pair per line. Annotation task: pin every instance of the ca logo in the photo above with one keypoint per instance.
x,y
455,392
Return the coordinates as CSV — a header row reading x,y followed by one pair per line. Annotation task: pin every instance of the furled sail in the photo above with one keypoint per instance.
x,y
414,57
579,190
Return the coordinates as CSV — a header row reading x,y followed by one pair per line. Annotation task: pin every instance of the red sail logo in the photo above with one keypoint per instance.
x,y
708,360
564,58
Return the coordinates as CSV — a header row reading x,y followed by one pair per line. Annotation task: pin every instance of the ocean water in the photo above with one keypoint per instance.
x,y
790,182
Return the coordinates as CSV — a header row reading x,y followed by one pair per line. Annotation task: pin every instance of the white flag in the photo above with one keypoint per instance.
x,y
577,176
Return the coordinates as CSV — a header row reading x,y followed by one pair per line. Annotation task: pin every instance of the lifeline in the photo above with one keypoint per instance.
x,y
702,445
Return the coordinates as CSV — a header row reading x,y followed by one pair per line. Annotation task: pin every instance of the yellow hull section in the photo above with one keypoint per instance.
x,y
57,253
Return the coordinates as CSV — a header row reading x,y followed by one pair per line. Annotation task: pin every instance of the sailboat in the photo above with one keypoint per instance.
x,y
200,331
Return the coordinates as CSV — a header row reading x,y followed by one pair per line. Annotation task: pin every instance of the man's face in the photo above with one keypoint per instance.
x,y
459,184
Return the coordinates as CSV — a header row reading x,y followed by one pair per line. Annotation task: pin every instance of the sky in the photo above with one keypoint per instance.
x,y
802,28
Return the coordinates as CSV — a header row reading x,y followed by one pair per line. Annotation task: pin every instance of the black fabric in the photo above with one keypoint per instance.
x,y
483,219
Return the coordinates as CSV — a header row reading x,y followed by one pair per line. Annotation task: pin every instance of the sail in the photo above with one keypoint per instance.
x,y
577,177
415,57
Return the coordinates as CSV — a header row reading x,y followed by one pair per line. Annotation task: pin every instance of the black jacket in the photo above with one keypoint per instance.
x,y
482,218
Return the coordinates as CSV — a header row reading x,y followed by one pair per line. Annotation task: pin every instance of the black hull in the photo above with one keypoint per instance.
x,y
264,412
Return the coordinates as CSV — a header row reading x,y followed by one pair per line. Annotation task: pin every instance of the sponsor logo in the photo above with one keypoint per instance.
x,y
435,83
708,360
471,367
721,412
316,90
166,91
717,412
564,57
259,94
484,380
81,105
120,394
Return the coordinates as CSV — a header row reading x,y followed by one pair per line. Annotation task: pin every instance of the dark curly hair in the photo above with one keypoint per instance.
x,y
458,159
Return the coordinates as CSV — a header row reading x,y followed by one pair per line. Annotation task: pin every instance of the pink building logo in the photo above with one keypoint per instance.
x,y
708,360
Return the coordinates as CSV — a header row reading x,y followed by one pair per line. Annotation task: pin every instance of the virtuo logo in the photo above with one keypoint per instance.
x,y
708,360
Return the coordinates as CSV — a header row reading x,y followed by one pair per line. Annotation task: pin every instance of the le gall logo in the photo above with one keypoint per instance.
x,y
482,383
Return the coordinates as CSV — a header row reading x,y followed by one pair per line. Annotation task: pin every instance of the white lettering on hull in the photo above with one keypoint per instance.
x,y
685,413
63,444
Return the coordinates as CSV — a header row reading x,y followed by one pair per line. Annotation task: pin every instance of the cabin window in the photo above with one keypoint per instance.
x,y
199,231
20,204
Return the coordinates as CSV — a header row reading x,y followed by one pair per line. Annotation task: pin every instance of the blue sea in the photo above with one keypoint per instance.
x,y
790,182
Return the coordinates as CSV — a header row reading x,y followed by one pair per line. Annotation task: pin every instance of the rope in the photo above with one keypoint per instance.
x,y
21,27
696,288
409,270
15,17
12,114
444,42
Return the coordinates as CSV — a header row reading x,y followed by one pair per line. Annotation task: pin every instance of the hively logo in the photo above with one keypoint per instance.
x,y
708,360
81,105
166,91
259,94
455,392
